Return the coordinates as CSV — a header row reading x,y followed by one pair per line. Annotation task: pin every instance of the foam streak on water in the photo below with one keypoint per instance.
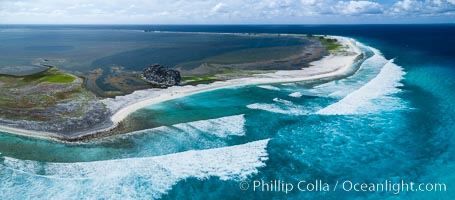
x,y
296,94
281,109
130,178
220,127
283,101
269,87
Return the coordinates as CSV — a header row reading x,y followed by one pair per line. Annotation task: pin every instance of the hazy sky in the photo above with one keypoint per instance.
x,y
225,12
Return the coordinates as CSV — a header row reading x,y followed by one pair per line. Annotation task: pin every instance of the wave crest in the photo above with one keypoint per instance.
x,y
269,87
373,96
149,177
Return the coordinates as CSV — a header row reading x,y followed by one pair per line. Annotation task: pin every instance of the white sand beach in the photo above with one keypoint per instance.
x,y
330,66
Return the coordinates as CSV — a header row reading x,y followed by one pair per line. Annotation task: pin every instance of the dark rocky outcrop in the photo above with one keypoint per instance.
x,y
161,75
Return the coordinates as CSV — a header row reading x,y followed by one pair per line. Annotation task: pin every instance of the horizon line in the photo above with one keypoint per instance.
x,y
201,24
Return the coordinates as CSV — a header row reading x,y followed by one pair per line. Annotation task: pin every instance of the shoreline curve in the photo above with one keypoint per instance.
x,y
330,66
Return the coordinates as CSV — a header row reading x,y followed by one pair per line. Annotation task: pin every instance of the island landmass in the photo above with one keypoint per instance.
x,y
57,105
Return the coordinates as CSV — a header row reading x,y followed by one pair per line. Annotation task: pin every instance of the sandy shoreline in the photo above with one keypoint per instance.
x,y
121,107
329,66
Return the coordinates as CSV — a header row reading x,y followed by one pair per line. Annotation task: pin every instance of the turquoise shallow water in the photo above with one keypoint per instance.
x,y
402,132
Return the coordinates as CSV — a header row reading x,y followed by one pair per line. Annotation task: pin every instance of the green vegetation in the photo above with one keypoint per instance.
x,y
231,72
36,92
50,75
64,78
199,79
221,74
330,44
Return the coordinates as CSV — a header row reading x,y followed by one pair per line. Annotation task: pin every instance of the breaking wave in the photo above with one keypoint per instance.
x,y
366,72
131,178
288,109
283,101
296,94
220,127
268,87
203,134
373,96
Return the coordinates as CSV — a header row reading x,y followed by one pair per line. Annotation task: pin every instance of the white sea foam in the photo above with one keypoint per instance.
x,y
132,178
283,101
220,127
268,87
287,109
373,96
296,95
367,71
203,134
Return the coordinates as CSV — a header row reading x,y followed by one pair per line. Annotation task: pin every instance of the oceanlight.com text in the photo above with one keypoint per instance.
x,y
394,187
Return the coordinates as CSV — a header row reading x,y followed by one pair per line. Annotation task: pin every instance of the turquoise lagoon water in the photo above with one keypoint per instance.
x,y
392,120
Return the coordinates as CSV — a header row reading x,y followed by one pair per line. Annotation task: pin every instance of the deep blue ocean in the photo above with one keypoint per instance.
x,y
393,121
